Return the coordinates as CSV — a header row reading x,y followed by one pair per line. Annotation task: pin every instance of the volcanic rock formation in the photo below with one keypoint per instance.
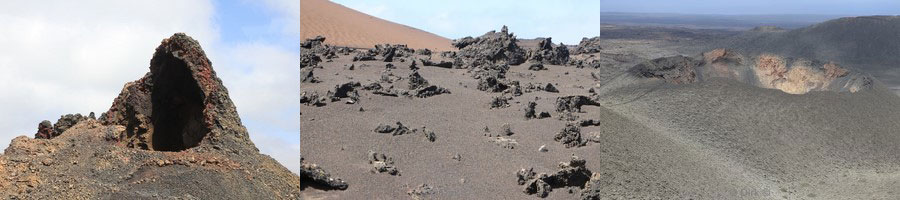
x,y
172,134
47,131
315,176
548,54
570,174
587,46
492,47
310,48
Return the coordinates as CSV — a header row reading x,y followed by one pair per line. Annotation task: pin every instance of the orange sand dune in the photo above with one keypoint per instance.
x,y
343,26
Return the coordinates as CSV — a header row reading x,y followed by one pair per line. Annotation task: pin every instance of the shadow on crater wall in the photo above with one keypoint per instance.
x,y
177,101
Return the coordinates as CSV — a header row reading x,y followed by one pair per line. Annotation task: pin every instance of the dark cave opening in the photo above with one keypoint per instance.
x,y
177,100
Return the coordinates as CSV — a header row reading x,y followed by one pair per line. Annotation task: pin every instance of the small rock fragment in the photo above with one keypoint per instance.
x,y
430,91
505,129
317,175
420,192
536,67
306,76
570,136
429,134
550,88
589,122
416,81
524,175
384,128
412,65
573,103
382,164
529,110
441,64
506,143
543,115
499,102
537,187
364,56
491,84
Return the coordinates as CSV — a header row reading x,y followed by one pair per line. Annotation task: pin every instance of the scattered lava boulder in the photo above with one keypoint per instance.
x,y
420,192
312,99
388,52
573,103
364,55
307,76
588,46
570,174
530,113
382,164
399,129
499,102
441,64
547,54
346,90
416,81
491,48
550,88
536,67
311,49
315,176
570,136
491,83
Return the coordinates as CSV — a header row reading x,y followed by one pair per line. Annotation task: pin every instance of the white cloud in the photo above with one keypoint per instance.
x,y
289,21
59,57
263,81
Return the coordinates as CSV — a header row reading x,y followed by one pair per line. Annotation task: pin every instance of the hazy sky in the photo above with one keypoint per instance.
x,y
820,7
60,56
566,21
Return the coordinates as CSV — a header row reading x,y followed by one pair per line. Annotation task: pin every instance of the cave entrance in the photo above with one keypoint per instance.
x,y
177,100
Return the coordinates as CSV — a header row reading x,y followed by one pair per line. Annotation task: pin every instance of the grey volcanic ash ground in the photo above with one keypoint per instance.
x,y
507,118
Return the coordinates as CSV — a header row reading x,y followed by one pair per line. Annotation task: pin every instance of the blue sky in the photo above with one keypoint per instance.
x,y
745,7
60,57
269,89
565,21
